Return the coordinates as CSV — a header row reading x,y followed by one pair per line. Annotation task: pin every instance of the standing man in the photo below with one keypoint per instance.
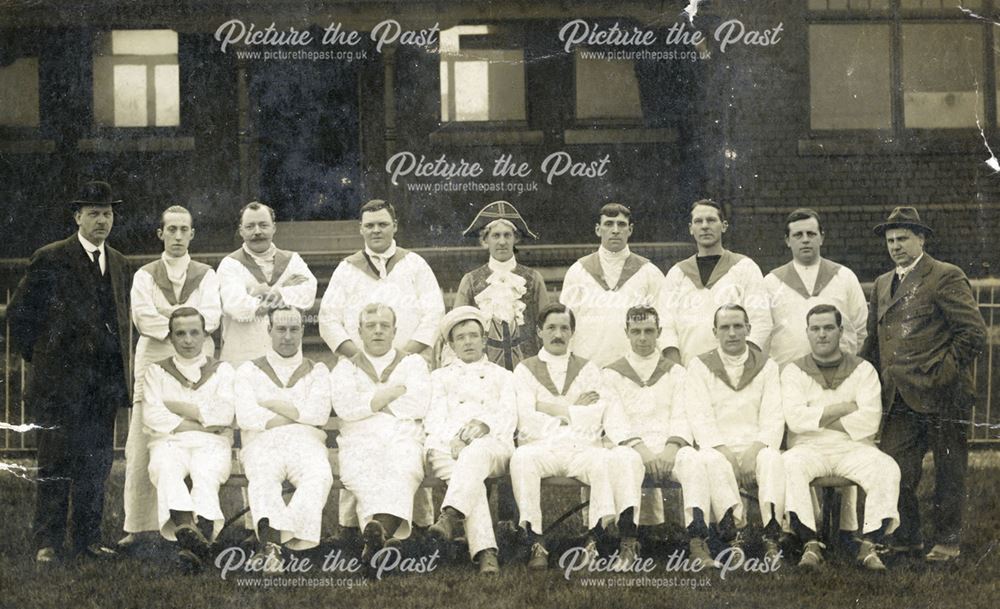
x,y
600,288
69,320
158,289
806,281
924,335
694,288
832,403
393,276
733,402
470,432
509,295
256,279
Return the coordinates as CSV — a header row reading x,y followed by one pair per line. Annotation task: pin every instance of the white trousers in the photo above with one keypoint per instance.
x,y
704,485
306,465
206,459
384,478
423,508
874,471
483,458
614,476
770,477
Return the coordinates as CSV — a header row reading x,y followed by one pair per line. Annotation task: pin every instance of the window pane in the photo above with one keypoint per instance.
x,y
606,89
480,84
130,96
941,67
144,42
19,93
168,96
849,77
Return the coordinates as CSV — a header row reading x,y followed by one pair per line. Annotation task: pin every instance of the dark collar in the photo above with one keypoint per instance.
x,y
281,260
751,368
790,277
207,371
195,273
848,364
592,264
540,371
301,372
728,259
623,367
363,263
361,360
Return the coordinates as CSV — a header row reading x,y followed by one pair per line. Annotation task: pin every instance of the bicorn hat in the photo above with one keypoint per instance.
x,y
498,210
460,314
94,192
903,217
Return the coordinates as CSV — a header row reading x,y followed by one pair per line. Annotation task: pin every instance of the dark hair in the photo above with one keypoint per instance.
x,y
826,308
177,209
185,312
729,307
803,213
708,203
641,312
254,206
482,330
376,205
613,210
553,309
271,312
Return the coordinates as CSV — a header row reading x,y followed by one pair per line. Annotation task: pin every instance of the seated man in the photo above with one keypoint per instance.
x,y
650,388
188,414
381,394
282,406
470,432
833,404
733,401
561,433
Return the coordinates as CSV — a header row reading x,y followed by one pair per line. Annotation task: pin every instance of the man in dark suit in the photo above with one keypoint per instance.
x,y
924,335
69,319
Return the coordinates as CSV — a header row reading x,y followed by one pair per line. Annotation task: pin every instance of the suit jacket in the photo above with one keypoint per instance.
x,y
55,325
924,340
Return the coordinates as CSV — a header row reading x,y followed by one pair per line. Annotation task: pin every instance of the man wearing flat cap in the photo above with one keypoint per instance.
x,y
509,294
69,319
924,335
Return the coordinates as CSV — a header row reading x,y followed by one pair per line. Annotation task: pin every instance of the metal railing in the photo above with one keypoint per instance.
x,y
984,423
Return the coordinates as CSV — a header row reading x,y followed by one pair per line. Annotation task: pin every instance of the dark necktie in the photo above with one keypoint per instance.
x,y
97,261
895,283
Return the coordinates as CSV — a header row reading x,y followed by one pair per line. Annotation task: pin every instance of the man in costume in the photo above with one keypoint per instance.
x,y
470,432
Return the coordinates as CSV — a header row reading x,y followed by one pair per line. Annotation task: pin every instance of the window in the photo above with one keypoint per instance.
x,y
480,82
136,79
19,93
899,65
597,78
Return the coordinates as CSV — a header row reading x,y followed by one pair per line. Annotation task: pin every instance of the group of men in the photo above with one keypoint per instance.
x,y
692,377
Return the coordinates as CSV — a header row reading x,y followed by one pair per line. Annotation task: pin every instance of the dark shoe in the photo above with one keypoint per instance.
x,y
190,538
698,548
812,555
444,529
374,537
943,553
268,559
488,563
772,552
96,551
539,557
738,543
189,563
628,555
46,558
868,557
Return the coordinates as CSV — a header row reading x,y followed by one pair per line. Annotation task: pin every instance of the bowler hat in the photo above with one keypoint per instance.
x,y
498,210
94,192
903,217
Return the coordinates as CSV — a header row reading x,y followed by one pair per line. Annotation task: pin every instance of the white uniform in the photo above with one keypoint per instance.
x,y
411,290
737,414
816,451
599,289
244,333
462,392
157,289
688,307
550,446
651,391
794,290
381,453
173,456
295,452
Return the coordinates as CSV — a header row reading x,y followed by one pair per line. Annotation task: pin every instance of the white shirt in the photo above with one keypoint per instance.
x,y
91,248
462,392
734,364
803,399
807,274
612,263
902,271
265,261
655,412
379,260
215,399
309,395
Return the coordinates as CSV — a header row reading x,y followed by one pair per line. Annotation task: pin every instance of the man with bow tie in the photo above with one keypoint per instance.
x,y
924,335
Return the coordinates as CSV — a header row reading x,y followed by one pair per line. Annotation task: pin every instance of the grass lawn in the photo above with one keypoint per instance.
x,y
149,578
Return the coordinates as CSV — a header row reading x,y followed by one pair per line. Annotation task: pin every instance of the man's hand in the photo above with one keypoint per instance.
x,y
294,280
473,430
259,289
587,398
183,409
282,407
746,474
278,421
664,463
189,425
833,412
456,446
385,396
